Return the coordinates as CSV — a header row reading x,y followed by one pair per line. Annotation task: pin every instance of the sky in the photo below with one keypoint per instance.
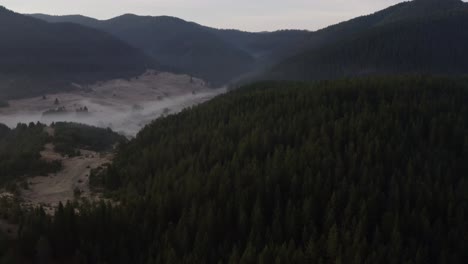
x,y
248,15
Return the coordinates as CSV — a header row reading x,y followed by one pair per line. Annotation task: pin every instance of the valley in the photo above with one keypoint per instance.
x,y
123,105
147,138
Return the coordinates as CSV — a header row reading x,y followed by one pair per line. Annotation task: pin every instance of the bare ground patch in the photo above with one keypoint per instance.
x,y
49,191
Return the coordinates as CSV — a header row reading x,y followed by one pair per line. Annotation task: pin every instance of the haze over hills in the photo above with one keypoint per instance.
x,y
422,37
38,57
356,170
215,55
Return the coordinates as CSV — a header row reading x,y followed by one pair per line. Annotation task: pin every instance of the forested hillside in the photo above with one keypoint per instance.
x,y
415,37
20,152
351,171
421,36
39,57
69,137
183,46
20,148
217,56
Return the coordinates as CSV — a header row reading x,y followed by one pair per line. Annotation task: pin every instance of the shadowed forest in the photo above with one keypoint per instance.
x,y
280,172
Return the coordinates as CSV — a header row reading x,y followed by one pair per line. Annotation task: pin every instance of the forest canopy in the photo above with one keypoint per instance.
x,y
72,136
350,171
20,152
20,148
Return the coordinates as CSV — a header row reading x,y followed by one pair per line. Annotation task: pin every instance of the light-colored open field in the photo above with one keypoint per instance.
x,y
123,105
50,190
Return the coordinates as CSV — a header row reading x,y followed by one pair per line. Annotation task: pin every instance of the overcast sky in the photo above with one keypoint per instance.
x,y
251,15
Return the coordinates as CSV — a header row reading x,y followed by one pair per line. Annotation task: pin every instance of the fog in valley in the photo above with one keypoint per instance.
x,y
127,120
124,106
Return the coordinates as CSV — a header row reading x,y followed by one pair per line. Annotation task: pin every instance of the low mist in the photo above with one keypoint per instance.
x,y
125,119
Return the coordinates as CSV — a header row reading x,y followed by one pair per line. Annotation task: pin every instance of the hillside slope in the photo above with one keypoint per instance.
x,y
423,36
183,46
363,171
38,57
215,55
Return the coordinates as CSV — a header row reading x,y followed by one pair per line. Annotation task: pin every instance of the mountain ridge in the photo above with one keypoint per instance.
x,y
216,55
421,37
39,57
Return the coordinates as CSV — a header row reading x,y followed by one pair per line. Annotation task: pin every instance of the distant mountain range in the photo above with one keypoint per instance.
x,y
217,56
41,53
418,37
38,57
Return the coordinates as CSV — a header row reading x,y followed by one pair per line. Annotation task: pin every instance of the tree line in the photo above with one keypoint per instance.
x,y
350,171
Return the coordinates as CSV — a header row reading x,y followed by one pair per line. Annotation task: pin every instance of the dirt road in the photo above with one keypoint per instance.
x,y
50,190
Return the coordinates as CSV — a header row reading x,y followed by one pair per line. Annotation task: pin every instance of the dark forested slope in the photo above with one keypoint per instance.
x,y
422,36
20,148
185,46
181,45
215,55
69,137
20,152
353,171
37,56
